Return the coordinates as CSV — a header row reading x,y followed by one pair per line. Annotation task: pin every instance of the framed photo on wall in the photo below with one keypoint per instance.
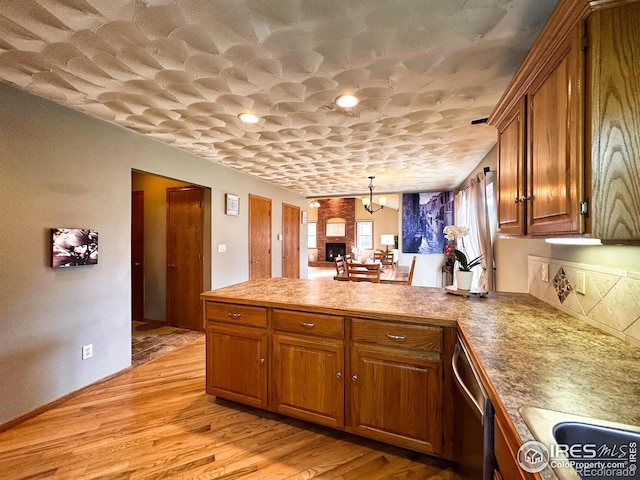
x,y
232,203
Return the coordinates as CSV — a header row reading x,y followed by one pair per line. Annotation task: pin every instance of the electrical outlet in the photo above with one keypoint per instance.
x,y
544,272
222,247
581,286
87,351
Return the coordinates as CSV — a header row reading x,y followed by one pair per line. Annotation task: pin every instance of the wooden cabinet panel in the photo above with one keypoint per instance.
x,y
615,95
236,364
416,337
554,139
239,314
396,398
505,450
308,379
511,171
308,323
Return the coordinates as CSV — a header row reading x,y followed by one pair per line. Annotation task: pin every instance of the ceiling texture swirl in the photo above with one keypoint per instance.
x,y
181,71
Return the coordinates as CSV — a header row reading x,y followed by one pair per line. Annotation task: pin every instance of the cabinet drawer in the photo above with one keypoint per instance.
x,y
241,314
413,337
308,323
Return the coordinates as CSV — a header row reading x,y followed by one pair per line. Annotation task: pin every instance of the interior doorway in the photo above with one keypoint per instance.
x,y
151,329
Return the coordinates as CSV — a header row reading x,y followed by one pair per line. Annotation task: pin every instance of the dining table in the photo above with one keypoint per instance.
x,y
396,274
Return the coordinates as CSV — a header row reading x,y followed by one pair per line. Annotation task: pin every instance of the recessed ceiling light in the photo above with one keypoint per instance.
x,y
248,117
346,101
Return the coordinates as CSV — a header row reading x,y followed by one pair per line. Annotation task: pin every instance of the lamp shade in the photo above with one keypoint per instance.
x,y
387,239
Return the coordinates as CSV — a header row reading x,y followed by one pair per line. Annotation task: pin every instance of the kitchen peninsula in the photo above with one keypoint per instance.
x,y
374,359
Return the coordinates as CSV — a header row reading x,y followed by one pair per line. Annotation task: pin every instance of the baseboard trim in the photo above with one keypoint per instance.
x,y
55,403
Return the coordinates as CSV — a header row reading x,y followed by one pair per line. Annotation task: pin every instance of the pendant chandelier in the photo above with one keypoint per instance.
x,y
368,202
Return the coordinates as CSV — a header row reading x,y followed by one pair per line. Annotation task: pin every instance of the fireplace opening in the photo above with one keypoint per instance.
x,y
332,250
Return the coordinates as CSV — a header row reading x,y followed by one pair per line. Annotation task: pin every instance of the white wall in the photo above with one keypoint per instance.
x,y
60,168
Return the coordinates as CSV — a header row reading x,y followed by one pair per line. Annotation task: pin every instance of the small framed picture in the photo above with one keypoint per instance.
x,y
304,218
232,204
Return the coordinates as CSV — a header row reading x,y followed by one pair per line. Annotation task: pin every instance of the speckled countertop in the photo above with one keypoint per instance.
x,y
532,353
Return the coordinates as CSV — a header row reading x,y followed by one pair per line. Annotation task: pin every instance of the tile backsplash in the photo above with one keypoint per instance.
x,y
611,298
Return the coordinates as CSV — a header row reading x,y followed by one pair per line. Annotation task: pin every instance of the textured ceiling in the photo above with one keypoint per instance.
x,y
180,71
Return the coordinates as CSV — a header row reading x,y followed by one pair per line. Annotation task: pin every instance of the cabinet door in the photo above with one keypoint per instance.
x,y
506,447
396,398
511,172
615,94
555,142
236,366
308,378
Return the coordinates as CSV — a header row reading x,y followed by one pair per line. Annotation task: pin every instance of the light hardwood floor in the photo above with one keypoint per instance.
x,y
156,422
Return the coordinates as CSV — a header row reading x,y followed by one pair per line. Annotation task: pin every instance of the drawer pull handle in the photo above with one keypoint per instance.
x,y
396,337
339,375
307,324
234,315
355,378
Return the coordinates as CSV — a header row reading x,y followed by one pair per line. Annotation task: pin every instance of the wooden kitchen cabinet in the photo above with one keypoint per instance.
x,y
395,387
380,379
567,127
540,161
236,352
236,363
307,367
511,171
506,445
555,99
614,69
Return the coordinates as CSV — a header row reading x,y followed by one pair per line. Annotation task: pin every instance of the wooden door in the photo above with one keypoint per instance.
x,y
236,364
259,237
511,172
396,398
185,227
137,255
555,139
308,378
290,241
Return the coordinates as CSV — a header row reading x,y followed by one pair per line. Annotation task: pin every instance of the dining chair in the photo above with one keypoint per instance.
x,y
348,258
363,272
383,258
411,269
339,262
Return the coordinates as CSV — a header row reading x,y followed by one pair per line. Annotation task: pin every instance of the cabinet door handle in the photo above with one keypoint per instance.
x,y
234,315
307,324
262,360
339,375
396,337
516,200
355,378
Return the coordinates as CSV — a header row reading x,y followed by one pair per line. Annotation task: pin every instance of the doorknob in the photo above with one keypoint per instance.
x,y
171,265
285,257
137,264
253,262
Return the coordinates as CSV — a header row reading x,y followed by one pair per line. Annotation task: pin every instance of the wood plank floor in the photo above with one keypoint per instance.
x,y
156,422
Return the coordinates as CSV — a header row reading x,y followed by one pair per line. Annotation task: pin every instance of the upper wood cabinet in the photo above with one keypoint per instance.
x,y
614,81
554,142
568,127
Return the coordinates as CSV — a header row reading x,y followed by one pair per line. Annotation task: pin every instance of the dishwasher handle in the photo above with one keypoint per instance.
x,y
478,405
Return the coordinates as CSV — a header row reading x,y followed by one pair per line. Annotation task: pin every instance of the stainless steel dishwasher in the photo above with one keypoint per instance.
x,y
473,420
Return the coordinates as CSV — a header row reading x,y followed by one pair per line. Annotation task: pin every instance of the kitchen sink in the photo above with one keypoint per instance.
x,y
583,448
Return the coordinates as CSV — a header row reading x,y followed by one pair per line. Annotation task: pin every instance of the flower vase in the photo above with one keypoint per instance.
x,y
464,279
